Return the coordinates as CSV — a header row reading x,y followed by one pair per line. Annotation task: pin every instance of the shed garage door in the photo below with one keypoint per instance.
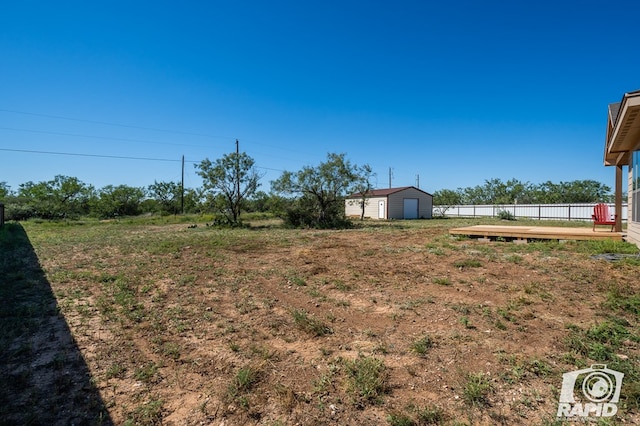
x,y
410,208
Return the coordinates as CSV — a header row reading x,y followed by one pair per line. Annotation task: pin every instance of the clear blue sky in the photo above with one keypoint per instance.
x,y
455,92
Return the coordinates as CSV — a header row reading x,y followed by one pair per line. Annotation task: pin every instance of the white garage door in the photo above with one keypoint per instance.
x,y
410,208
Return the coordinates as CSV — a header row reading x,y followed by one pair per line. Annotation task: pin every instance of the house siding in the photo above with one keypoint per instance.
x,y
633,228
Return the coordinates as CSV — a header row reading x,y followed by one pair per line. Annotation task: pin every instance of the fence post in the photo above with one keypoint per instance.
x,y
569,213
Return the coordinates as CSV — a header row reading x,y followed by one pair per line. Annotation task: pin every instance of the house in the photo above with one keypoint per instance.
x,y
407,202
622,148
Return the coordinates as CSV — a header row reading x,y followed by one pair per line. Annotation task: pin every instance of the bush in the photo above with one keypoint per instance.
x,y
506,215
19,208
304,214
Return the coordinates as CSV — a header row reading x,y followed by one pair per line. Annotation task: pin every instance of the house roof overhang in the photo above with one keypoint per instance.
x,y
623,129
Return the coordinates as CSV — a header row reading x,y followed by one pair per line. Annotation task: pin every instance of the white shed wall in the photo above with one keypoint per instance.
x,y
352,207
396,203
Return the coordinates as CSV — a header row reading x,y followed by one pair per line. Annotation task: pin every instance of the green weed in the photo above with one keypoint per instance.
x,y
622,299
149,413
477,389
310,324
467,263
422,345
242,383
342,286
442,281
430,415
398,419
366,380
147,373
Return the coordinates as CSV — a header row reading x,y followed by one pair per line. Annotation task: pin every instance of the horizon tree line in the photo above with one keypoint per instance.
x,y
310,197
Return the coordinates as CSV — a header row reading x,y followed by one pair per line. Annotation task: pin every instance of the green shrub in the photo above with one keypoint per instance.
x,y
506,215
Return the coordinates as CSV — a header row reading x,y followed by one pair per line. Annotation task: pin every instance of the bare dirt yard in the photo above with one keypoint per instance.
x,y
393,323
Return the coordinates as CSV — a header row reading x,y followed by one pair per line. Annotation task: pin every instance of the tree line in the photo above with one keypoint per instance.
x,y
314,196
311,197
513,191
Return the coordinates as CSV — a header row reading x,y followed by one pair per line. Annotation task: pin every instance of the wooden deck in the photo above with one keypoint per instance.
x,y
537,232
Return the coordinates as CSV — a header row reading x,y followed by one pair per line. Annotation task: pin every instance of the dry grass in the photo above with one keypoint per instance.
x,y
392,322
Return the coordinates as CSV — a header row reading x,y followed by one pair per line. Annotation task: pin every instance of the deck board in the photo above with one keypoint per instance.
x,y
537,232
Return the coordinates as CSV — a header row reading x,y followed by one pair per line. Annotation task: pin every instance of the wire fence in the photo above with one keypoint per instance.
x,y
528,211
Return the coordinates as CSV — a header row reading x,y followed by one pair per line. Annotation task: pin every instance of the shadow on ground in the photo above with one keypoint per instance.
x,y
43,376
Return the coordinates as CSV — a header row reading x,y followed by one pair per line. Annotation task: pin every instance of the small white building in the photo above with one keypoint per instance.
x,y
407,202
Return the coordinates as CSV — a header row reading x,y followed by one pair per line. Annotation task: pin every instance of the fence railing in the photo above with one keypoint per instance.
x,y
529,211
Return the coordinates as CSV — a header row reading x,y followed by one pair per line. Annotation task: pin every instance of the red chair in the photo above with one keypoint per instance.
x,y
601,216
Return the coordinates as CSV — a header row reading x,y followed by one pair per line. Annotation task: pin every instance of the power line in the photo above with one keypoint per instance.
x,y
106,123
123,139
46,132
118,157
90,155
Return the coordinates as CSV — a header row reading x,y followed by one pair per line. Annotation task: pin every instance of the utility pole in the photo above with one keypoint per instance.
x,y
390,177
418,181
182,188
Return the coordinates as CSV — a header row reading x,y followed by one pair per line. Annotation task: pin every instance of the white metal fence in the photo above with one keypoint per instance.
x,y
529,211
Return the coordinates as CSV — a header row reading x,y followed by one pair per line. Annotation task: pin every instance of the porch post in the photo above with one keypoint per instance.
x,y
618,200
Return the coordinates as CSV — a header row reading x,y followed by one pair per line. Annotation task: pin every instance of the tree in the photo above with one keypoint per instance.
x,y
167,195
363,187
320,190
115,201
513,191
230,180
62,197
444,199
584,191
5,190
193,200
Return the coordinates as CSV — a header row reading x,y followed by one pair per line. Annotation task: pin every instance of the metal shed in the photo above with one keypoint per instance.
x,y
407,202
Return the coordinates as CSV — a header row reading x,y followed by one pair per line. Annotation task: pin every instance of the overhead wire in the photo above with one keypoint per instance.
x,y
106,123
123,157
46,132
119,157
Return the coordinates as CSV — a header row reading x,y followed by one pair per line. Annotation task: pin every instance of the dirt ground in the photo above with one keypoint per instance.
x,y
385,324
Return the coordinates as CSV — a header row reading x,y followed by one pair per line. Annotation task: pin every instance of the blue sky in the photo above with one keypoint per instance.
x,y
455,92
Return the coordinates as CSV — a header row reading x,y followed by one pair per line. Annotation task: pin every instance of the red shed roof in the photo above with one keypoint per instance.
x,y
384,192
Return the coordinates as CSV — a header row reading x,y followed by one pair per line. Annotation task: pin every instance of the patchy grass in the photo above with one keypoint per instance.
x,y
153,320
310,324
476,389
467,263
422,345
367,380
